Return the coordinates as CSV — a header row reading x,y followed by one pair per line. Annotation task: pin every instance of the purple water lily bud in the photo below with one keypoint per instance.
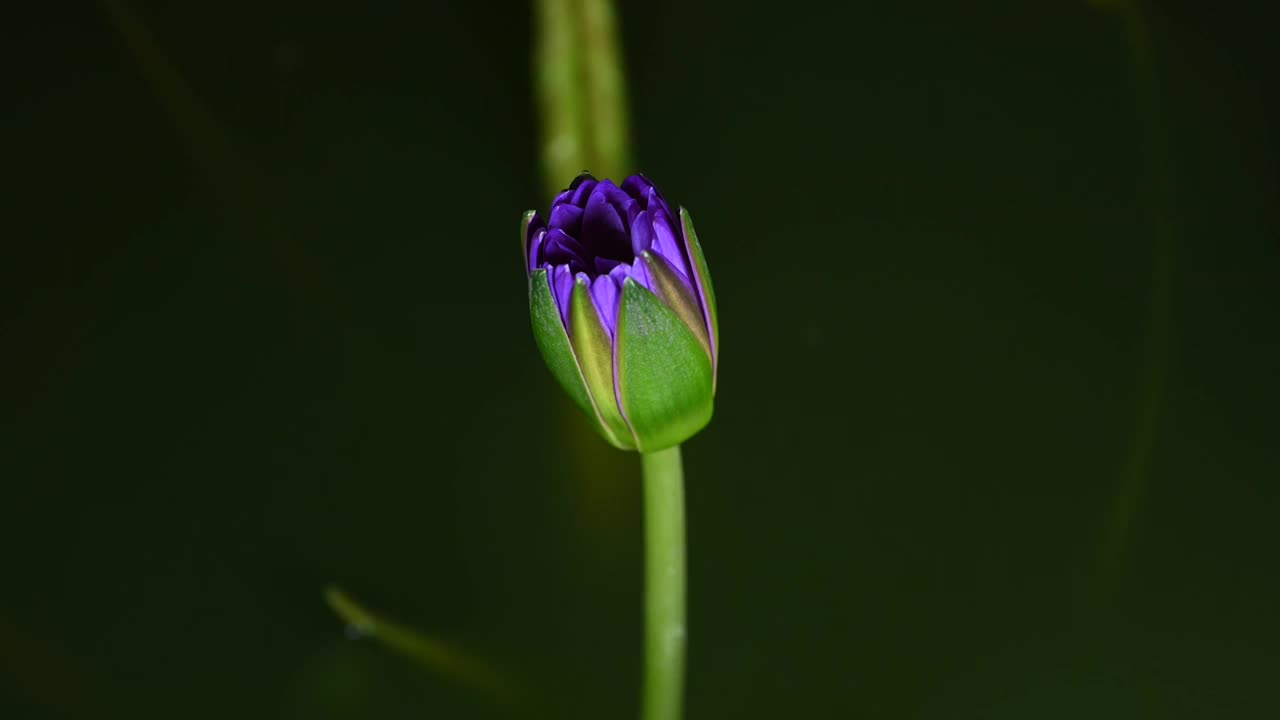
x,y
623,310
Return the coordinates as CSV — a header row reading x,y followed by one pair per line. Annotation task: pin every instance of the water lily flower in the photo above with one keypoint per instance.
x,y
623,310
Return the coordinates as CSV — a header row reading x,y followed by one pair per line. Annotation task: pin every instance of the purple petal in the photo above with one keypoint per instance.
x,y
562,290
613,195
623,204
604,265
633,210
535,248
642,232
535,224
560,249
640,273
655,201
606,295
582,187
667,242
638,186
620,273
567,218
602,228
566,196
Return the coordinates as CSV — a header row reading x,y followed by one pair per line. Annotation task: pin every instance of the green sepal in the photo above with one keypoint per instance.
x,y
553,341
677,295
702,283
665,375
594,350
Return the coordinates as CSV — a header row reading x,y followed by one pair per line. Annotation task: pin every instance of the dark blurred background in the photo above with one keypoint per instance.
x,y
996,434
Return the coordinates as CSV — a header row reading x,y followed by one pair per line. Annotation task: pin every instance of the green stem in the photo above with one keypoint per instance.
x,y
664,584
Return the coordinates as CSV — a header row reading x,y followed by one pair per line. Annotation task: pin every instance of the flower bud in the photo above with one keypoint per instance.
x,y
623,310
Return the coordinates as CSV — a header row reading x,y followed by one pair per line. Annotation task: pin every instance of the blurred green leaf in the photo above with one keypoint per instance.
x,y
432,653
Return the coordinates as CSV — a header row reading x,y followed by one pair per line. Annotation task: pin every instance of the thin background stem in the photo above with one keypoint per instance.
x,y
581,91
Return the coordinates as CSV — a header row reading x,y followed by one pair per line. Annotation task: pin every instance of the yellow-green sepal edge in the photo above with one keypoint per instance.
x,y
553,342
594,350
702,285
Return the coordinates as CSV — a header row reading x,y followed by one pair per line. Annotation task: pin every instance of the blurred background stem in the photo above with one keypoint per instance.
x,y
581,91
664,576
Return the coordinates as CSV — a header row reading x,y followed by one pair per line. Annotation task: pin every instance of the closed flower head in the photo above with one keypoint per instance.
x,y
623,310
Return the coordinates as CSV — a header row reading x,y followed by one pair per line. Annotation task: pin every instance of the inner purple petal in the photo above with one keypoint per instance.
x,y
642,232
657,202
606,294
640,273
535,247
581,192
666,242
562,290
603,231
638,186
595,232
567,218
604,265
560,249
535,224
614,195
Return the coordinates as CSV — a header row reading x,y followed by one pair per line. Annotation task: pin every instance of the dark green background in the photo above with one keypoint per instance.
x,y
996,434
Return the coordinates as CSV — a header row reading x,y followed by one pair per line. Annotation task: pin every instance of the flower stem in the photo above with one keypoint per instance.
x,y
664,584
